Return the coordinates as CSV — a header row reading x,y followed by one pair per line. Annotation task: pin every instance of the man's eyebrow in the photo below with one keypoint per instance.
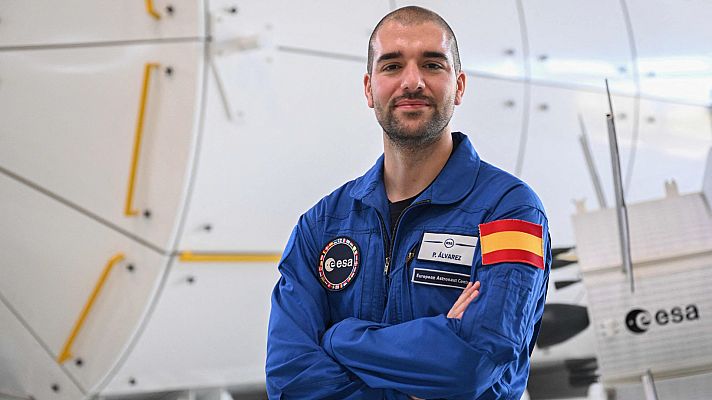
x,y
389,56
435,54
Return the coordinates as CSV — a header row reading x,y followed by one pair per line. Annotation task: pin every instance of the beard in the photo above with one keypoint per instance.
x,y
427,132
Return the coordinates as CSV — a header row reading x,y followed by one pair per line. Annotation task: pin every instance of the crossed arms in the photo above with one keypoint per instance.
x,y
455,356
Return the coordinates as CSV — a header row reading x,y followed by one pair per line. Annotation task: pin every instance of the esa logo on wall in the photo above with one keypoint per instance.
x,y
639,321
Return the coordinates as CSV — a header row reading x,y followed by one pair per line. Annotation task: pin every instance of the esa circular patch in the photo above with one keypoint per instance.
x,y
338,263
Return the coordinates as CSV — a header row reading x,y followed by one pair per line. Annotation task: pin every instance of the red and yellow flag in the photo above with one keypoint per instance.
x,y
512,240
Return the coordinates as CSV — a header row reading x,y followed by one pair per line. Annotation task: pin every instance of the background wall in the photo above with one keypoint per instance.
x,y
234,117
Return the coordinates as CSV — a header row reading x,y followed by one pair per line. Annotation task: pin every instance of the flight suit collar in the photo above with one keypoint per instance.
x,y
455,181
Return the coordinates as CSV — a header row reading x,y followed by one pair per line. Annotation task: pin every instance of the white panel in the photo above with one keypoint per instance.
x,y
291,142
209,329
52,258
670,248
554,163
488,33
26,370
673,44
579,42
674,141
665,344
682,224
335,26
46,22
69,118
491,115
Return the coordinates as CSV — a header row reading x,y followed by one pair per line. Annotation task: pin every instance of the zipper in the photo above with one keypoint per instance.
x,y
388,244
395,229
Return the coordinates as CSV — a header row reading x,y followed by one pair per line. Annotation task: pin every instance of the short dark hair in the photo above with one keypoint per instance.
x,y
413,15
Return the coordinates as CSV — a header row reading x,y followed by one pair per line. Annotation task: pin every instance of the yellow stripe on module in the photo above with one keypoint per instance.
x,y
187,256
511,240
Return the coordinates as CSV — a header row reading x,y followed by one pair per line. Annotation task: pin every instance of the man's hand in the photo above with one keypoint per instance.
x,y
470,293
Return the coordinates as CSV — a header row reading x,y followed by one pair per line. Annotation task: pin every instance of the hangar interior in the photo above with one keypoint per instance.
x,y
154,157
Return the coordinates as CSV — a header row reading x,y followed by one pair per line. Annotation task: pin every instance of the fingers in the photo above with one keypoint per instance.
x,y
463,296
462,307
470,292
461,303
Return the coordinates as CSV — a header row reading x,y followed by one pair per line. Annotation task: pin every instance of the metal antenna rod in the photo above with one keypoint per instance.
x,y
585,145
621,210
649,386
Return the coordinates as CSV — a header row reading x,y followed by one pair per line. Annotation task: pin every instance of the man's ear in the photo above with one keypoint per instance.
x,y
460,91
367,90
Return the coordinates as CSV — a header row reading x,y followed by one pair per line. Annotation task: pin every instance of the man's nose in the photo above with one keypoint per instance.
x,y
412,80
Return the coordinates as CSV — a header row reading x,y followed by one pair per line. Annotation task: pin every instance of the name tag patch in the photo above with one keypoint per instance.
x,y
440,278
448,248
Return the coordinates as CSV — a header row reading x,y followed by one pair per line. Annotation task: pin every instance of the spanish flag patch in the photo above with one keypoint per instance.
x,y
512,240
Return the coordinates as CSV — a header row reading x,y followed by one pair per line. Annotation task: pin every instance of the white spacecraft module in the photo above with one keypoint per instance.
x,y
664,326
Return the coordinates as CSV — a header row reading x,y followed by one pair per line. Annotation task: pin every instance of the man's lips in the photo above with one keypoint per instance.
x,y
411,104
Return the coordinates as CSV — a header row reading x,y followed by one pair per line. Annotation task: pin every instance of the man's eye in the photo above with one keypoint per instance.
x,y
390,67
433,66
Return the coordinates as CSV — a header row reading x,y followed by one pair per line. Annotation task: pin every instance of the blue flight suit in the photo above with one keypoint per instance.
x,y
386,337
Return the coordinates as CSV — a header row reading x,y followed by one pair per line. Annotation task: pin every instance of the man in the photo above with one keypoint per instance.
x,y
376,298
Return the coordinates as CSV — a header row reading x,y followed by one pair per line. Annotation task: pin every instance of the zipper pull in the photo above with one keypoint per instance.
x,y
385,269
409,257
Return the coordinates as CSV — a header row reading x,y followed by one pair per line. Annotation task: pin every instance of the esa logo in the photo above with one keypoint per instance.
x,y
330,264
638,320
339,263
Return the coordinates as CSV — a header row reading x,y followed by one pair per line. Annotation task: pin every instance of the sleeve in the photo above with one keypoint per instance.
x,y
297,367
437,357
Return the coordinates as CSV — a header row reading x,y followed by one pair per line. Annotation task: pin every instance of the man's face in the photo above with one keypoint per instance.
x,y
413,86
